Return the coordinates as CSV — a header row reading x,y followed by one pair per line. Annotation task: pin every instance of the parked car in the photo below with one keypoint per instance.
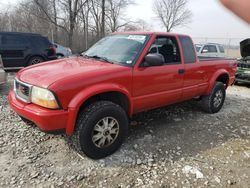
x,y
210,50
23,49
2,72
243,69
62,51
92,97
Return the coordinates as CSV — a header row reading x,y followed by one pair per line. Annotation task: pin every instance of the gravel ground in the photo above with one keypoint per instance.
x,y
176,146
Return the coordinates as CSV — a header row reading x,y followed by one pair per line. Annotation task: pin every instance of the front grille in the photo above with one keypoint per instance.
x,y
22,91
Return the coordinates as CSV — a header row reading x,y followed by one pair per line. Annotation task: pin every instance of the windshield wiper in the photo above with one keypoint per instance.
x,y
100,58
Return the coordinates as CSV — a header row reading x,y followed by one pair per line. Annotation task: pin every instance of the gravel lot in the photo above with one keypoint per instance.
x,y
176,146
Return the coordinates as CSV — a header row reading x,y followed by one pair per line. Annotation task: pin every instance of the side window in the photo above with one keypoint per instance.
x,y
209,49
188,50
16,40
39,41
221,48
168,47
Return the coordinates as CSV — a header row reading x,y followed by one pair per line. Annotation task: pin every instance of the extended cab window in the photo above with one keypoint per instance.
x,y
188,50
39,41
209,49
168,48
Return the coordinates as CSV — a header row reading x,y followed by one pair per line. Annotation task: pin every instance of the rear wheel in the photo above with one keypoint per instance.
x,y
100,129
35,60
214,102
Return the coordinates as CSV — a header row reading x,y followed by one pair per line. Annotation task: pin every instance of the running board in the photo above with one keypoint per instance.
x,y
13,68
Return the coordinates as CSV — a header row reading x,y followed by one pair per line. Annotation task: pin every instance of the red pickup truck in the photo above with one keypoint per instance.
x,y
93,96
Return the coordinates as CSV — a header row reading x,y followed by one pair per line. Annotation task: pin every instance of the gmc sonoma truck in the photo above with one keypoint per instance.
x,y
91,97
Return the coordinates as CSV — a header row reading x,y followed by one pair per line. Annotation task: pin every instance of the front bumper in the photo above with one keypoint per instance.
x,y
47,120
3,76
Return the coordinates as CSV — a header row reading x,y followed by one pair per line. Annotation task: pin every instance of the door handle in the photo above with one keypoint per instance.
x,y
181,71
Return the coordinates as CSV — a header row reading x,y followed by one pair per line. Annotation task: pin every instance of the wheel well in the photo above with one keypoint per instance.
x,y
115,97
224,78
60,54
29,58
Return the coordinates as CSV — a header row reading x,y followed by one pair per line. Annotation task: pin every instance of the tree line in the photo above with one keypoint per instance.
x,y
79,23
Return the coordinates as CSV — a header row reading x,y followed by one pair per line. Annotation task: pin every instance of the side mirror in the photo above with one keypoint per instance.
x,y
204,51
154,60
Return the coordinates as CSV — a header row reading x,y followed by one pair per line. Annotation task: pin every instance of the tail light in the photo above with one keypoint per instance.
x,y
52,50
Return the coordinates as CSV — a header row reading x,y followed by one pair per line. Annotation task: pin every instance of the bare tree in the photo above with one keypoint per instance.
x,y
103,18
172,13
84,19
115,9
4,21
71,8
138,25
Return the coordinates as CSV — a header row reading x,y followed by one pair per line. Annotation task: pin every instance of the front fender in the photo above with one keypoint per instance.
x,y
214,78
89,92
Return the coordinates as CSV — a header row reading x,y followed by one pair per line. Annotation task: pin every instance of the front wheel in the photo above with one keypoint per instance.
x,y
214,102
100,129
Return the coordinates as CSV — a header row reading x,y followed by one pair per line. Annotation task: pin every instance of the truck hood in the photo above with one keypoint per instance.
x,y
245,48
45,74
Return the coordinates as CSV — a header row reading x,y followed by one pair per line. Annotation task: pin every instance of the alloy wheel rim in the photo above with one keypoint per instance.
x,y
105,132
35,61
218,98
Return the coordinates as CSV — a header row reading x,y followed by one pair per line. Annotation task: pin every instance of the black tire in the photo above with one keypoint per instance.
x,y
214,102
88,120
35,60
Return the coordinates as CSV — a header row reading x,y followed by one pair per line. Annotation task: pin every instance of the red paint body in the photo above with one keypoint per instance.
x,y
75,80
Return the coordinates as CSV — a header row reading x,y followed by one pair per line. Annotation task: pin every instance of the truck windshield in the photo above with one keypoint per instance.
x,y
118,49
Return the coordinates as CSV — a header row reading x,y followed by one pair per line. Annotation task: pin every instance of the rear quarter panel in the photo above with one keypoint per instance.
x,y
216,67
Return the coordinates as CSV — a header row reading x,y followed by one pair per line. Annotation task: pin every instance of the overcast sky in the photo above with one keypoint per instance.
x,y
210,19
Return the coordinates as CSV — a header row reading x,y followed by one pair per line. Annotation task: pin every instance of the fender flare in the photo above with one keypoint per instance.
x,y
86,94
215,76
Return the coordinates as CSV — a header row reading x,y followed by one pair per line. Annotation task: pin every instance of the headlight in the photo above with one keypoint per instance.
x,y
44,98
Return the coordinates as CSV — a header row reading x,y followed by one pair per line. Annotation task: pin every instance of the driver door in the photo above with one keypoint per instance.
x,y
155,86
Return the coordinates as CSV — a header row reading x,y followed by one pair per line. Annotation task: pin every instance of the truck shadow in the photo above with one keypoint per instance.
x,y
179,131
